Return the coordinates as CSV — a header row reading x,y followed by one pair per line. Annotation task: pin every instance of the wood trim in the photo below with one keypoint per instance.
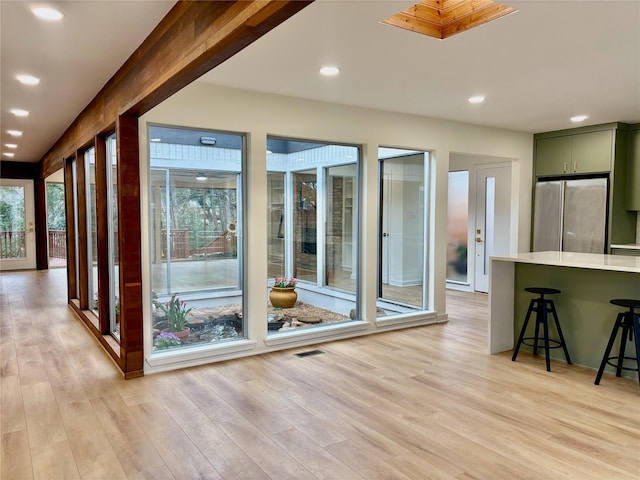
x,y
40,224
190,40
129,239
19,170
83,261
193,38
72,288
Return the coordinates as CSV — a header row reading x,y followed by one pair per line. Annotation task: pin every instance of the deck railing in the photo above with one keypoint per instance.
x,y
57,244
178,241
12,244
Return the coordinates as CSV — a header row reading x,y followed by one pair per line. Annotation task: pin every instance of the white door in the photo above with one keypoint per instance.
x,y
17,225
493,219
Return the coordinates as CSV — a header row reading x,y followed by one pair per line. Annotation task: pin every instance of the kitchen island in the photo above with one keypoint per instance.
x,y
587,281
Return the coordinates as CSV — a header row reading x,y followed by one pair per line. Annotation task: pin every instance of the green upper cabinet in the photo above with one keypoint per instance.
x,y
633,197
602,151
553,156
575,154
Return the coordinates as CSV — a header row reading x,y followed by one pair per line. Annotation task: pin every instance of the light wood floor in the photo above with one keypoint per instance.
x,y
424,403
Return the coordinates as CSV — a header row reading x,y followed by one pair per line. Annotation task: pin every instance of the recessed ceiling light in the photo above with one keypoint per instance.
x,y
476,99
8,154
579,118
329,71
46,13
14,133
156,139
28,79
11,145
19,113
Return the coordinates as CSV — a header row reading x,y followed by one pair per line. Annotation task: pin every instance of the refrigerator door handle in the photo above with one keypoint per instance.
x,y
561,217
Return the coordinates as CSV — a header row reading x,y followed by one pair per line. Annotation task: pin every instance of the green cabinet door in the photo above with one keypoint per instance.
x,y
553,156
574,154
633,197
591,152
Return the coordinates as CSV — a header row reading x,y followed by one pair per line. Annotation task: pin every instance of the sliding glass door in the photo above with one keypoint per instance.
x,y
403,249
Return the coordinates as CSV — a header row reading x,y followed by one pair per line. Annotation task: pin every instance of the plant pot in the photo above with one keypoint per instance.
x,y
283,297
183,335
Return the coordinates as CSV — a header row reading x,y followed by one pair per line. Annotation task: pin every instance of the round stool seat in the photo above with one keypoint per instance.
x,y
542,290
625,302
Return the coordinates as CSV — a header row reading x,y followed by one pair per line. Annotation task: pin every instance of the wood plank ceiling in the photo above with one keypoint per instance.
x,y
444,18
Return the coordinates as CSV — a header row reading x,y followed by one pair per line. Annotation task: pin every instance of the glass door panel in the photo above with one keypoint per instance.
x,y
304,225
341,229
402,232
275,224
17,230
458,227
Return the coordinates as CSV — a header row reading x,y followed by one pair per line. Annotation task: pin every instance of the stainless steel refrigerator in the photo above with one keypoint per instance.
x,y
570,215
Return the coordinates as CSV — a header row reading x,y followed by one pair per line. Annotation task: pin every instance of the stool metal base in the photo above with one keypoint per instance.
x,y
629,323
542,307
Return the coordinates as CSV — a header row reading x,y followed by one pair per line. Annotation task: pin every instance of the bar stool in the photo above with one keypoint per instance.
x,y
542,306
629,322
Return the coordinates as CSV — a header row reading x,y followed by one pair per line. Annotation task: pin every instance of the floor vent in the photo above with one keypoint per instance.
x,y
308,353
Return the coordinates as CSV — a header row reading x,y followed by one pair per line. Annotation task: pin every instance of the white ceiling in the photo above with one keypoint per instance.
x,y
74,58
537,67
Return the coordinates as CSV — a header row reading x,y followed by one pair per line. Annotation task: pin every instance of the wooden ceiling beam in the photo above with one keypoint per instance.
x,y
193,38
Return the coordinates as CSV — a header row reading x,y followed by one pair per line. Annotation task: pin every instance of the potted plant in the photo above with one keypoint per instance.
x,y
177,313
166,340
283,292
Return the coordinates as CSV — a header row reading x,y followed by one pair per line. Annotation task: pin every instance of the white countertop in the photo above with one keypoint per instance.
x,y
627,246
593,261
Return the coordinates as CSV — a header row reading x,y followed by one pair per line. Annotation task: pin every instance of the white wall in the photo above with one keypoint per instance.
x,y
202,105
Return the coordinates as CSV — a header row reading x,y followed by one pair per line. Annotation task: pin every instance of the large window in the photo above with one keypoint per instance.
x,y
92,226
114,254
76,227
312,232
196,241
402,240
